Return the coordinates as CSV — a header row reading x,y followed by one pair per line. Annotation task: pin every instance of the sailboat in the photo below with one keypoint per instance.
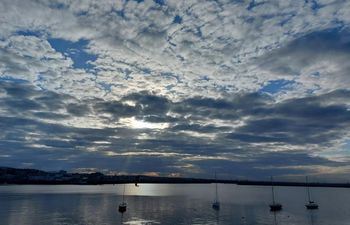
x,y
274,206
216,203
310,204
122,206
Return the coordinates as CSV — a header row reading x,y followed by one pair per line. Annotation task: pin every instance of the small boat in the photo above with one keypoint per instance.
x,y
310,204
216,203
122,206
274,206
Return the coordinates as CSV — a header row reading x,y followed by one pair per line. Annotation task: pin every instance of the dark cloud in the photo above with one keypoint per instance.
x,y
17,90
297,121
230,108
77,109
50,115
201,133
115,109
326,45
150,104
199,128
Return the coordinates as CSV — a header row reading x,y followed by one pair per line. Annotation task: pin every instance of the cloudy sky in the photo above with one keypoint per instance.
x,y
247,88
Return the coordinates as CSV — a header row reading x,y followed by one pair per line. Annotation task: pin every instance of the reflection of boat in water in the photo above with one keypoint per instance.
x,y
312,217
310,204
216,203
122,219
274,206
122,206
217,217
274,218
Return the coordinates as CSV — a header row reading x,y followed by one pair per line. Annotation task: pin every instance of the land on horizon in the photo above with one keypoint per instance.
x,y
33,176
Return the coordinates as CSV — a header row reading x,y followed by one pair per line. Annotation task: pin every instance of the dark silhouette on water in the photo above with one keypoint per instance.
x,y
274,206
310,204
216,203
32,176
122,206
137,180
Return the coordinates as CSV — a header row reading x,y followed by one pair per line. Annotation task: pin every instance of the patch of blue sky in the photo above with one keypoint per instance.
x,y
160,2
253,4
29,33
316,74
177,19
146,71
120,13
127,74
76,51
170,87
204,78
286,20
106,87
314,5
248,19
12,79
172,75
58,5
39,82
276,86
198,32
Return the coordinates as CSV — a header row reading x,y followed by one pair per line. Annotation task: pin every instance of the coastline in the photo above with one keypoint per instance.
x,y
10,176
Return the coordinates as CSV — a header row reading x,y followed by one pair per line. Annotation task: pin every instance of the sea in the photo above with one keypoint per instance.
x,y
169,204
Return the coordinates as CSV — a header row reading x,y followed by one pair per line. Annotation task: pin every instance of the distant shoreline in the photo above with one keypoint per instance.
x,y
13,176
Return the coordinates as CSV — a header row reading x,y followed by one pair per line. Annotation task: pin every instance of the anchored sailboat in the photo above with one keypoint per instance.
x,y
122,206
310,204
216,203
274,206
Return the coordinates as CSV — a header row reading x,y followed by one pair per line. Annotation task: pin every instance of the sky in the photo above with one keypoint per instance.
x,y
249,89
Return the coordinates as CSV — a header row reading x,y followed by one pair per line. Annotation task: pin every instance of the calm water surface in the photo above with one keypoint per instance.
x,y
168,204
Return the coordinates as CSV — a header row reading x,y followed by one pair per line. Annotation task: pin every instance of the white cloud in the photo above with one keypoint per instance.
x,y
218,40
28,57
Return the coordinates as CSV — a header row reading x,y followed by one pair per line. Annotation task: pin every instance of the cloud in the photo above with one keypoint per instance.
x,y
26,57
139,44
316,61
190,85
47,127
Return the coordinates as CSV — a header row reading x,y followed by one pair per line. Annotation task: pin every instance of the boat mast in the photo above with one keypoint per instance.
x,y
123,193
273,191
308,189
216,189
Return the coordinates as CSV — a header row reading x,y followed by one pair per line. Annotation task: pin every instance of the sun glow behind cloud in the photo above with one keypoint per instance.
x,y
134,123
